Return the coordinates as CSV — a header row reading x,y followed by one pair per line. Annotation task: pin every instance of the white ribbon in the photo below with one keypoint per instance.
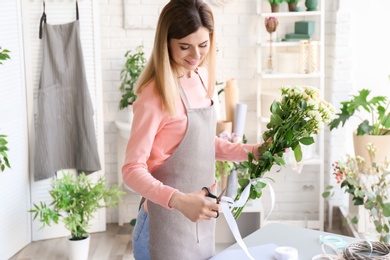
x,y
227,202
325,255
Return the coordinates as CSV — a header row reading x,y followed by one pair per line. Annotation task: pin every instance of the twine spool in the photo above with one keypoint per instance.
x,y
367,250
308,56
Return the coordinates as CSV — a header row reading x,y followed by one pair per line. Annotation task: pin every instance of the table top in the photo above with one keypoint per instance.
x,y
306,241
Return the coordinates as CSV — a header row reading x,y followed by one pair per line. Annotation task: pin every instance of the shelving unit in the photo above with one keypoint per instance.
x,y
302,189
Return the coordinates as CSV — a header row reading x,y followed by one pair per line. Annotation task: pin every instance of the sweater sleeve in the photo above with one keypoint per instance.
x,y
234,152
147,118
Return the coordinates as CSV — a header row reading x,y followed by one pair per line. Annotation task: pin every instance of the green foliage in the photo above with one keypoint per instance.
x,y
377,106
135,63
4,54
223,169
295,118
275,2
368,187
75,201
3,153
292,1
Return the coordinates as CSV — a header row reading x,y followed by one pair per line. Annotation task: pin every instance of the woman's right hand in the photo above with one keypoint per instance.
x,y
195,206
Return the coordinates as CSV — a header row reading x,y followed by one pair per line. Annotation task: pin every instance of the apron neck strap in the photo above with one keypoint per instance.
x,y
43,20
77,9
44,17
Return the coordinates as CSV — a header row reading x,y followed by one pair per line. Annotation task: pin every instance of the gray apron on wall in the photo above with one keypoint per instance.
x,y
189,168
65,131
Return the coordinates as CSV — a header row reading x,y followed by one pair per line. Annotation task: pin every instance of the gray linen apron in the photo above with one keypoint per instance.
x,y
65,132
189,168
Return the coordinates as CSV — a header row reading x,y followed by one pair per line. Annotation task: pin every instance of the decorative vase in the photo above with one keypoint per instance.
x,y
381,142
311,5
78,249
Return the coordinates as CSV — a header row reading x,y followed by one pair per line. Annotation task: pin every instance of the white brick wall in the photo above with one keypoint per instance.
x,y
236,39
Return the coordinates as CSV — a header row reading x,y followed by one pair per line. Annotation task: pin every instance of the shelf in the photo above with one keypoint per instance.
x,y
291,14
277,75
281,44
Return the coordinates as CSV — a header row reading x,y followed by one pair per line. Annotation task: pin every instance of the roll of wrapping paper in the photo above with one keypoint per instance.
x,y
231,99
239,119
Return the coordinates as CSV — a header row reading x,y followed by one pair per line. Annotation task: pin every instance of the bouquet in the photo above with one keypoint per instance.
x,y
368,186
295,118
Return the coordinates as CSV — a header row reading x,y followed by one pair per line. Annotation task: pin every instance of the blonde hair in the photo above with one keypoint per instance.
x,y
178,19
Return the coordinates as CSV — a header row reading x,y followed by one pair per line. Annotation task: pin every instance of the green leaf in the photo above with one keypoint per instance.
x,y
364,128
386,209
326,194
306,140
298,153
276,120
355,219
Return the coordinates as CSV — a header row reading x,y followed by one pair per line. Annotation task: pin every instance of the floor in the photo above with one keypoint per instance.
x,y
113,244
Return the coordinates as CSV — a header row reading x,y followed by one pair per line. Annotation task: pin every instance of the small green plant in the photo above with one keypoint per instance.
x,y
3,153
377,106
135,63
4,54
275,2
75,201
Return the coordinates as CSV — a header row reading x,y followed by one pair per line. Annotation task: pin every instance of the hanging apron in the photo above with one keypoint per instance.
x,y
65,133
189,168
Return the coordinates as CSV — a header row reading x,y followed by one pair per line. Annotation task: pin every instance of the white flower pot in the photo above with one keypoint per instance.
x,y
78,249
126,115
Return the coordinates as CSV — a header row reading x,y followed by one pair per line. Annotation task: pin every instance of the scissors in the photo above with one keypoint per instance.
x,y
211,195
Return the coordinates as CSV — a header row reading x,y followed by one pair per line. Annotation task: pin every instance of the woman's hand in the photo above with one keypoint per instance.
x,y
195,206
259,149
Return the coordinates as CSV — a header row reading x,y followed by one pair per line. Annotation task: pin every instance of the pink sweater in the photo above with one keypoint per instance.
x,y
155,136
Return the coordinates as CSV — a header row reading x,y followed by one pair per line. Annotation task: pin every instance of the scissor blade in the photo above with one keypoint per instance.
x,y
220,195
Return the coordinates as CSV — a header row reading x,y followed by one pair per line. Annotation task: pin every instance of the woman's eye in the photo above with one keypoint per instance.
x,y
203,46
184,48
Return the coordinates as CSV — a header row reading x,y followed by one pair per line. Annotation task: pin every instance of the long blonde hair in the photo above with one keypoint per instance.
x,y
178,19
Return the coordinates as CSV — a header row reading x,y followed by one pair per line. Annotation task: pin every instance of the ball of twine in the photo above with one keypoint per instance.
x,y
366,250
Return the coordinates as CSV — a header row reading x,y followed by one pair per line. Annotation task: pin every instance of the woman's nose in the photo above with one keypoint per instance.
x,y
195,53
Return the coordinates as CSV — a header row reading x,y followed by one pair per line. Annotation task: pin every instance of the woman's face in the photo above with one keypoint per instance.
x,y
190,51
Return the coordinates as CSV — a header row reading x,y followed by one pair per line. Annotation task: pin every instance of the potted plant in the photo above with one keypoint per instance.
x,y
292,5
275,5
75,200
368,188
376,130
3,141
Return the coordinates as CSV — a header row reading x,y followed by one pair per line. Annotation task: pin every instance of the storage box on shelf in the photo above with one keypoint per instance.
x,y
295,63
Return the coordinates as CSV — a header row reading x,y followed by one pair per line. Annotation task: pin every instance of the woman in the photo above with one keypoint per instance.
x,y
172,148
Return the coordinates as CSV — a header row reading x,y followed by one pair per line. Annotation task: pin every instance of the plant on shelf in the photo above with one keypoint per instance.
x,y
368,186
377,106
75,200
292,5
275,5
4,162
134,64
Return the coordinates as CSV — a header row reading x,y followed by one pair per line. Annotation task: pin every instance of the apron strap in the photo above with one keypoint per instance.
x,y
43,19
77,9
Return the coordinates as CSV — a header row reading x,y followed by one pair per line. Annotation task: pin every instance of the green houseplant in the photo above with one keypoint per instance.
x,y
4,55
134,64
374,130
75,200
377,106
275,5
292,5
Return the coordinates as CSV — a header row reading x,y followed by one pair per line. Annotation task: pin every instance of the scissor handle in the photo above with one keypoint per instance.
x,y
208,193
